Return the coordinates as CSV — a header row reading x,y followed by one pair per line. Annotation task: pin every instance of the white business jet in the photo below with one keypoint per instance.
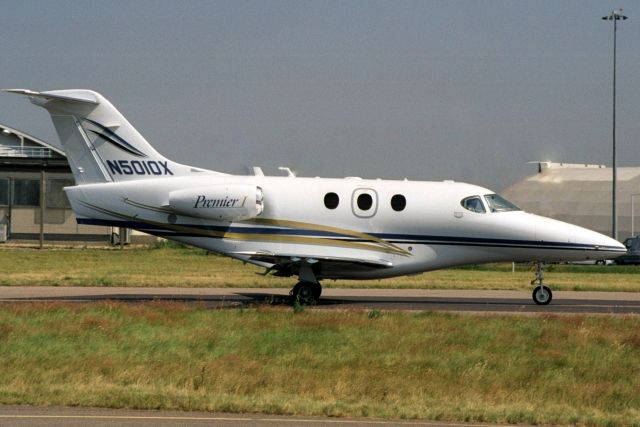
x,y
312,228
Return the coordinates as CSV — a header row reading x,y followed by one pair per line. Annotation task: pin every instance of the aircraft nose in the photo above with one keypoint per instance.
x,y
585,244
613,246
604,246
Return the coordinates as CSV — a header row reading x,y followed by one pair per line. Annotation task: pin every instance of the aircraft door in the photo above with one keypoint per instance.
x,y
364,202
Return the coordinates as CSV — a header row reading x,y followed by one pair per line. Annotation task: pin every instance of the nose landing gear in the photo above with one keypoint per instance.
x,y
542,295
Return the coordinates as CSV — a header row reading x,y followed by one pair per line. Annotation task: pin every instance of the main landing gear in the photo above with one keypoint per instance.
x,y
542,295
307,290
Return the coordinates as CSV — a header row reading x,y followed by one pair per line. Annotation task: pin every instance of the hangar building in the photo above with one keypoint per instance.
x,y
27,164
581,194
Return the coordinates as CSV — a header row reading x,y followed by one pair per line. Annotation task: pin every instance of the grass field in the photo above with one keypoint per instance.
x,y
195,268
552,369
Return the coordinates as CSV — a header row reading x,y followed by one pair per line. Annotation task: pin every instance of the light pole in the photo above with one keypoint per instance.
x,y
614,16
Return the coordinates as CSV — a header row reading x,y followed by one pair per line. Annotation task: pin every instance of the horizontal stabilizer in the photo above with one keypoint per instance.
x,y
85,98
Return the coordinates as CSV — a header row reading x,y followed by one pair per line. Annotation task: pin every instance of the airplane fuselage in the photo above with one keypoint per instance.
x,y
432,229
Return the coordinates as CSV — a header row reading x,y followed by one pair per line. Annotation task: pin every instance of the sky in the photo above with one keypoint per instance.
x,y
428,90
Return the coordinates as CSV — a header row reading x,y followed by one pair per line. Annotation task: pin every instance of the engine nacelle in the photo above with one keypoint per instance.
x,y
232,202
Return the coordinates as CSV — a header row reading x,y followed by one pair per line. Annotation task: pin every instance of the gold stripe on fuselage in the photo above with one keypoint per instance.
x,y
372,242
328,229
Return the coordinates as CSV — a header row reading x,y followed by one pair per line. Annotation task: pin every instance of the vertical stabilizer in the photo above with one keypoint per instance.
x,y
101,145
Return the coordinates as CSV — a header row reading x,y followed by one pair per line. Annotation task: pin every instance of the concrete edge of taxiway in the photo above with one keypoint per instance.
x,y
60,416
40,292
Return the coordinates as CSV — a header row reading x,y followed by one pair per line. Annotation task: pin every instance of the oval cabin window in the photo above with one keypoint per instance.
x,y
331,200
365,201
398,202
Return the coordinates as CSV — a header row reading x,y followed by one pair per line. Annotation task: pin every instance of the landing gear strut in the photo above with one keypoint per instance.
x,y
308,289
542,295
306,292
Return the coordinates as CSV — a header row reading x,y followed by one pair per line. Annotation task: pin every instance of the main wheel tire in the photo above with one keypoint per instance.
x,y
305,292
600,262
542,295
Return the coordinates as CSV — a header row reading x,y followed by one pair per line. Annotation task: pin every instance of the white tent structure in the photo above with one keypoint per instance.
x,y
581,194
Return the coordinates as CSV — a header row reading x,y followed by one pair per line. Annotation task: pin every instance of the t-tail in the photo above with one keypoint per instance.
x,y
101,145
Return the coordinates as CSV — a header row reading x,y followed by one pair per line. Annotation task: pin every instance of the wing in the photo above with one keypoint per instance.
x,y
324,266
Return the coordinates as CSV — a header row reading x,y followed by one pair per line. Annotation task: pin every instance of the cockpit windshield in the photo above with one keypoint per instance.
x,y
498,203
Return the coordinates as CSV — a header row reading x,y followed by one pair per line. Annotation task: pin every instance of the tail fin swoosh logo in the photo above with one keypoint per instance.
x,y
110,136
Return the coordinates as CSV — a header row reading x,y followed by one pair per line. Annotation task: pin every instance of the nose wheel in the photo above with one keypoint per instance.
x,y
542,295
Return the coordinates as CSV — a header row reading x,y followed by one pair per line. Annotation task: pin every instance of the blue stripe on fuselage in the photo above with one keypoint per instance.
x,y
389,238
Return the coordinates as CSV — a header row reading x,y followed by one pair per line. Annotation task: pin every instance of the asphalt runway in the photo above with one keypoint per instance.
x,y
32,416
361,298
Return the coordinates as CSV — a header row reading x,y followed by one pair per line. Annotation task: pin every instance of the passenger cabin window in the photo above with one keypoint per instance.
x,y
331,200
498,203
473,204
398,202
365,201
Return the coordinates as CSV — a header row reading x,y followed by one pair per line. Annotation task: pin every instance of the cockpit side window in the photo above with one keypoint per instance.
x,y
498,203
473,204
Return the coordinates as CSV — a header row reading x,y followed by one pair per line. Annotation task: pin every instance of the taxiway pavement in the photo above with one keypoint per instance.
x,y
358,298
33,416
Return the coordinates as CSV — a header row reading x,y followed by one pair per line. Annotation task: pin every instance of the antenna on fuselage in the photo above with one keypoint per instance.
x,y
257,171
289,172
